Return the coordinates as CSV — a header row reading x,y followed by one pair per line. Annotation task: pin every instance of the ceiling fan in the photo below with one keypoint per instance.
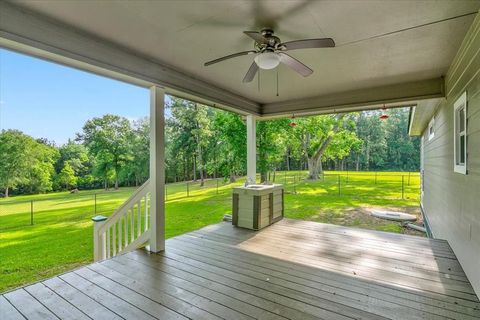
x,y
270,52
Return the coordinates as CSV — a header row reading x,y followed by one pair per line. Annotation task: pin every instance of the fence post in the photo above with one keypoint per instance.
x,y
188,190
403,187
339,192
31,212
285,178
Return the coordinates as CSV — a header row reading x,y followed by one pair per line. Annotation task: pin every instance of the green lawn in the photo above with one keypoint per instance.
x,y
61,237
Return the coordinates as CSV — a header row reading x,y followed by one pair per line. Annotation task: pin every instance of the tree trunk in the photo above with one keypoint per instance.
x,y
200,167
6,192
367,157
232,177
194,168
185,166
315,162
288,160
263,176
314,168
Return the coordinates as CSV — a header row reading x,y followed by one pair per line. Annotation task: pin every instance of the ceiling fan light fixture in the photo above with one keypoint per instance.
x,y
267,60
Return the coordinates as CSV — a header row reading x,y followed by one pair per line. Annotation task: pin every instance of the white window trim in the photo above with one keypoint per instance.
x,y
461,102
431,127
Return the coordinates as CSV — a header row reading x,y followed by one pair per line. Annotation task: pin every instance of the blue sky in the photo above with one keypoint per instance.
x,y
47,100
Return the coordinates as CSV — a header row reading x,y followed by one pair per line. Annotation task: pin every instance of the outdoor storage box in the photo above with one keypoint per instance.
x,y
257,206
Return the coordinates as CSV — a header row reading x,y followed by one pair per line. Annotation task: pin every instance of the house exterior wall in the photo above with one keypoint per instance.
x,y
451,201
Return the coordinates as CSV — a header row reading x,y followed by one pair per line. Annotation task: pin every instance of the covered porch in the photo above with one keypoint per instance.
x,y
290,270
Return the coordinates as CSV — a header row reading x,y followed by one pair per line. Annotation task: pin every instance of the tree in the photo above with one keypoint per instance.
x,y
326,135
403,150
371,130
201,133
231,149
14,154
25,163
190,132
138,162
271,146
77,156
67,176
107,139
41,170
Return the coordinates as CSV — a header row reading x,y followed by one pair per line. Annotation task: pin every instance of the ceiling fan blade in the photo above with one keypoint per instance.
x,y
309,43
295,64
252,71
255,35
234,55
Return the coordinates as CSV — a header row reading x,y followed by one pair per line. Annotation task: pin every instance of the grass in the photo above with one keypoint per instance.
x,y
61,237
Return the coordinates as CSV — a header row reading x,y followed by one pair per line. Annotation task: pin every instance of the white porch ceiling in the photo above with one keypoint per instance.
x,y
185,34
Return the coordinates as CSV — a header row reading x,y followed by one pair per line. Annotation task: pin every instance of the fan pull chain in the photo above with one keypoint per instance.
x,y
277,81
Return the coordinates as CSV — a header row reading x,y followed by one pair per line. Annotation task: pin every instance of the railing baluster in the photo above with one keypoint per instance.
x,y
132,218
125,221
108,242
139,219
146,212
119,225
114,239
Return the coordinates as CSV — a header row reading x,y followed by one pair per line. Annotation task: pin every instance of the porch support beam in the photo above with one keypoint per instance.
x,y
251,147
157,169
362,99
34,34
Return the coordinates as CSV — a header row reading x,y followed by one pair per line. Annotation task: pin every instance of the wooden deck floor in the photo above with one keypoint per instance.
x,y
291,270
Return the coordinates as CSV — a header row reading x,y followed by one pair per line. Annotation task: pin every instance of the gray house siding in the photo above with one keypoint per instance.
x,y
451,201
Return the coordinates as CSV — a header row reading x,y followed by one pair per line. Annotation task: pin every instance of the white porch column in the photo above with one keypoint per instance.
x,y
251,147
157,169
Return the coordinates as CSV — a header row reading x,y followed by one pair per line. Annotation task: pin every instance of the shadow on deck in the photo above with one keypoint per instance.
x,y
291,270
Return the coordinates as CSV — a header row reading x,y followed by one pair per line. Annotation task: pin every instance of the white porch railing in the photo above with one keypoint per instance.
x,y
126,229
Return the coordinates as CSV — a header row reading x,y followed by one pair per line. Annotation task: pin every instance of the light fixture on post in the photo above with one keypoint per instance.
x,y
267,60
384,115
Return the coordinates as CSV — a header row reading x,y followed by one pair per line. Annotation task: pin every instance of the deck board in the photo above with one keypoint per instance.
x,y
291,270
8,311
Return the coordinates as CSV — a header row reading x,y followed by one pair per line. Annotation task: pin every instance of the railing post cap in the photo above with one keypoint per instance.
x,y
99,218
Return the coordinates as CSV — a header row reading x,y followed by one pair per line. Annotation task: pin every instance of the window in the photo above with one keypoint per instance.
x,y
431,130
460,134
